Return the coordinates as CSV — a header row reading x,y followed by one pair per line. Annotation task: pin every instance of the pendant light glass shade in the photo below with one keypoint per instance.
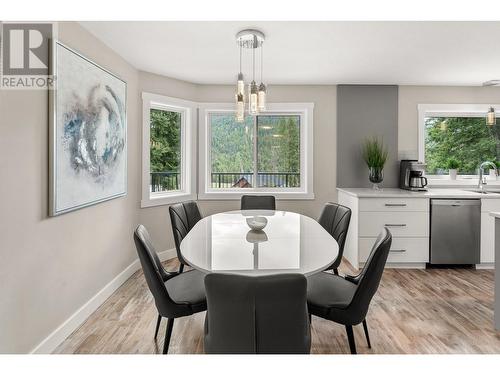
x,y
254,99
262,88
240,108
262,97
240,96
491,118
241,85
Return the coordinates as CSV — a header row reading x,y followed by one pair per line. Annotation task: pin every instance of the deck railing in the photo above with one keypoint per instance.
x,y
165,181
264,179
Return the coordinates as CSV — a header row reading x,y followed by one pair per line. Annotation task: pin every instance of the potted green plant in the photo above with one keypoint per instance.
x,y
453,165
375,155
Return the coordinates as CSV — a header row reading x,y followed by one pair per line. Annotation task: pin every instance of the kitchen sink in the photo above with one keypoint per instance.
x,y
490,191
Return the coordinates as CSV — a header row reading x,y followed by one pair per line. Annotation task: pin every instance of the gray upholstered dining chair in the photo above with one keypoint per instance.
x,y
258,202
264,314
346,300
335,218
175,294
183,217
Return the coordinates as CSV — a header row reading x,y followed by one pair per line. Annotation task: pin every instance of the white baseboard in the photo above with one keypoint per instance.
x,y
416,266
485,266
53,340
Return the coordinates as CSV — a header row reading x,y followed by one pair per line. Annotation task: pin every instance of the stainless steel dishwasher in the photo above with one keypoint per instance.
x,y
455,231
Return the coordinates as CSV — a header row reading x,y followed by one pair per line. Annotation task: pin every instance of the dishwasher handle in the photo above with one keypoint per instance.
x,y
455,202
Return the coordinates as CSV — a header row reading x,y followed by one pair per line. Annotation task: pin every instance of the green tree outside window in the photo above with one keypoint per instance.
x,y
468,140
165,150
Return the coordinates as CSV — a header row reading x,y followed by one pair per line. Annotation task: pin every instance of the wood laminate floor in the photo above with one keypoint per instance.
x,y
414,311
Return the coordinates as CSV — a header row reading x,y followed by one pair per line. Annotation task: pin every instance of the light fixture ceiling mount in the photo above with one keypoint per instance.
x,y
250,38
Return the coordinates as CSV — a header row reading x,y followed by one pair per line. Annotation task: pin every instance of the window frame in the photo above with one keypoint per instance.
x,y
188,110
306,189
449,110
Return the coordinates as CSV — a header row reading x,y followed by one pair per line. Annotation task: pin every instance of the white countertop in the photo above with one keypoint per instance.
x,y
430,193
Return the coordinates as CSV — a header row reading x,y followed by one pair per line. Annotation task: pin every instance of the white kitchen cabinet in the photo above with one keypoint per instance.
x,y
407,218
407,215
488,229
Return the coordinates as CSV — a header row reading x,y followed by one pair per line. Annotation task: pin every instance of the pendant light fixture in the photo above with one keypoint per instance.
x,y
240,108
250,39
240,96
253,101
491,118
262,88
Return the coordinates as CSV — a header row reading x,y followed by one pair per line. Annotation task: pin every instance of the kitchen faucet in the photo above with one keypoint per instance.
x,y
482,178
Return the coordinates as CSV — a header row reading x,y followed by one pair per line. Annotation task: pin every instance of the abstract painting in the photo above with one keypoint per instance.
x,y
88,148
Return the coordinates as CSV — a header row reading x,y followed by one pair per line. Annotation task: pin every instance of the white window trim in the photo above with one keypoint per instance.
x,y
306,191
449,110
188,149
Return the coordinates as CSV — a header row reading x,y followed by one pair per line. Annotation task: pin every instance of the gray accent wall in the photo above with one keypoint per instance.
x,y
365,111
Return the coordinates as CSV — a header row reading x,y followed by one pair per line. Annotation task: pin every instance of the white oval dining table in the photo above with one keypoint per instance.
x,y
290,243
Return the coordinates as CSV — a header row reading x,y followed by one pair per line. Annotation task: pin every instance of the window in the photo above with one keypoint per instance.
x,y
278,156
456,132
165,150
232,151
168,167
268,153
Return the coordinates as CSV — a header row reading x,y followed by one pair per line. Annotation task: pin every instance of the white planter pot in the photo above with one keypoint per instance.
x,y
453,174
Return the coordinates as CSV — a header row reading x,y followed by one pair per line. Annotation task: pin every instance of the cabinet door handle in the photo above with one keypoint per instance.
x,y
395,204
395,225
398,251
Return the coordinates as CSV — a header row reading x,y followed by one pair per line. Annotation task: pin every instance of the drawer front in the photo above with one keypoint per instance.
x,y
403,250
394,204
401,224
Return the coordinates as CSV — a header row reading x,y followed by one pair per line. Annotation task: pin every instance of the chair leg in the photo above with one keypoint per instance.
x,y
181,268
350,337
335,271
158,321
365,327
168,334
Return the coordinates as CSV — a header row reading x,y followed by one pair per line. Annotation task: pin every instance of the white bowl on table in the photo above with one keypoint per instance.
x,y
257,222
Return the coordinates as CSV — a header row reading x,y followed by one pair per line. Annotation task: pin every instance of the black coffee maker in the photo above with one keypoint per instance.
x,y
411,175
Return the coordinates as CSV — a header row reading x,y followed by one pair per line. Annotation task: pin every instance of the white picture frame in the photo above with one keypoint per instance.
x,y
87,132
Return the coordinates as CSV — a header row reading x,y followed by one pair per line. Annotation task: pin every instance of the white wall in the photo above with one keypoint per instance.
x,y
49,267
411,96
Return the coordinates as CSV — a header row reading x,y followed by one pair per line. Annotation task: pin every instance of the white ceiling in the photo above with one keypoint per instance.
x,y
404,53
